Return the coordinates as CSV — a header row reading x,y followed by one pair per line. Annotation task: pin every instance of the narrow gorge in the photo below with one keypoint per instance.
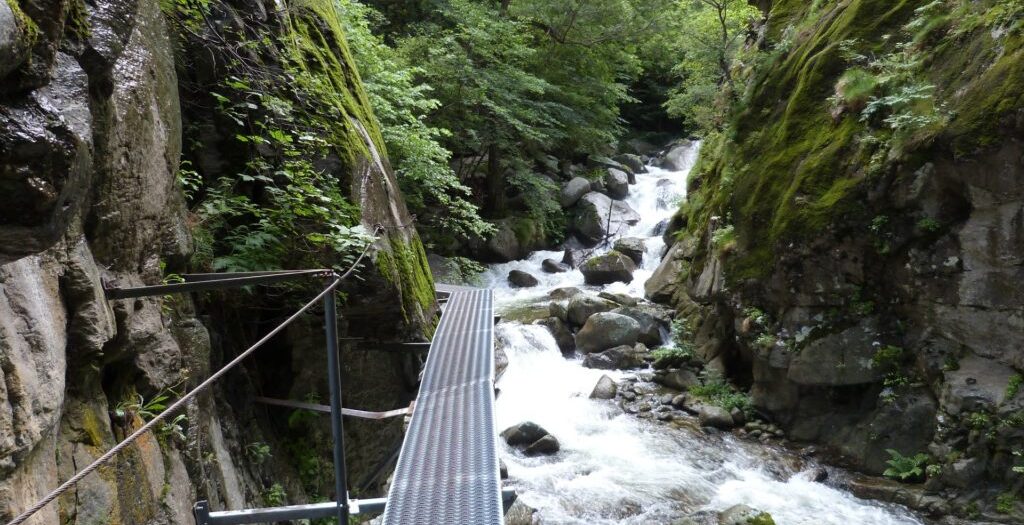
x,y
752,262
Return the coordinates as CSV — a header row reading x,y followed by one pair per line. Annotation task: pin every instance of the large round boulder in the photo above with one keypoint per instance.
x,y
651,324
606,330
521,279
597,216
608,268
582,306
631,247
573,191
616,183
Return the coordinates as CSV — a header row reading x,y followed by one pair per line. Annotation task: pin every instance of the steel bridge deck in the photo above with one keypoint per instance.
x,y
447,470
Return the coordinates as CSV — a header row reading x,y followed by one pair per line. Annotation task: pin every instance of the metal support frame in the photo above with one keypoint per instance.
x,y
312,511
334,378
343,506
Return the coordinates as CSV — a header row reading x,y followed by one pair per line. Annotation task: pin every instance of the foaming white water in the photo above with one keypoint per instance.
x,y
618,468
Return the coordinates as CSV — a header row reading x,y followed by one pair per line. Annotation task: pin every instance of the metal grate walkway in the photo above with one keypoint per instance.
x,y
448,467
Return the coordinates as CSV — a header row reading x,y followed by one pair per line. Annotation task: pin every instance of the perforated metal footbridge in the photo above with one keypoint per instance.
x,y
448,468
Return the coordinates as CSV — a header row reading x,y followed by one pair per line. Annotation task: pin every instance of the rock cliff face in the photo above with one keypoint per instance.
x,y
90,145
866,280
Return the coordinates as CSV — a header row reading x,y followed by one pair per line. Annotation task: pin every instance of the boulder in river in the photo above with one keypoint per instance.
x,y
563,337
678,379
631,247
652,322
582,306
573,191
744,515
608,268
621,298
597,216
545,446
523,434
715,416
553,266
618,358
606,330
616,183
565,292
631,161
531,438
678,157
521,279
604,389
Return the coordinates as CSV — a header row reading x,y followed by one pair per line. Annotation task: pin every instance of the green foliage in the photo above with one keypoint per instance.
x,y
762,518
278,198
887,357
929,225
724,239
1005,502
978,421
905,468
274,495
258,452
434,194
709,39
715,390
136,405
1016,380
680,351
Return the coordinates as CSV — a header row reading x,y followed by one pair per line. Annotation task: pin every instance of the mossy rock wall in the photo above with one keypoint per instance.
x,y
848,223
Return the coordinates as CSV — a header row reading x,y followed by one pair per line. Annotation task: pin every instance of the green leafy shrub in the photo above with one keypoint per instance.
x,y
1016,380
905,468
715,390
1005,502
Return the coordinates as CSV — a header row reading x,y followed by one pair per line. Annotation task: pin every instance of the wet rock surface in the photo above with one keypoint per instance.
x,y
608,268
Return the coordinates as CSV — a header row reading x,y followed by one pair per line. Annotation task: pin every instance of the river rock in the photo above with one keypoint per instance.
x,y
523,434
744,515
559,309
559,330
714,416
573,191
574,256
651,324
521,279
678,379
500,359
618,358
608,268
616,183
606,330
678,157
565,292
582,306
631,247
553,266
620,298
604,389
662,285
521,514
545,446
600,161
597,216
631,161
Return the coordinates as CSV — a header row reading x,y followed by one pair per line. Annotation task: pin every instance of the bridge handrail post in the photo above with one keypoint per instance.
x,y
334,379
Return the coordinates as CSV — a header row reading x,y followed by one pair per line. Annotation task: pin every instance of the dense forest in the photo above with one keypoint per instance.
x,y
784,237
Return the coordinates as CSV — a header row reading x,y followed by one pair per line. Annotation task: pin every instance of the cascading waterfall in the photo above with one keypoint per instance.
x,y
616,468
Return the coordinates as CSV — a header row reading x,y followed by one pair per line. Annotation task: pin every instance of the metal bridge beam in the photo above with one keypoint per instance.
x,y
297,512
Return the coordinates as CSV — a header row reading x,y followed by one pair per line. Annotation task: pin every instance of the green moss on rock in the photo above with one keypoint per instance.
x,y
788,169
405,266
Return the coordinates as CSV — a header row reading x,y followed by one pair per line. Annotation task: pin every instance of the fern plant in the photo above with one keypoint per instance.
x,y
905,468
